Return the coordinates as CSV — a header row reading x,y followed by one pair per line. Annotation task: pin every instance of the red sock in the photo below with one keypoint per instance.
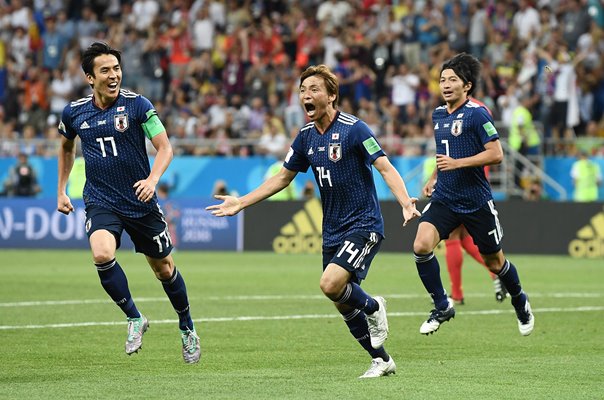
x,y
469,246
454,257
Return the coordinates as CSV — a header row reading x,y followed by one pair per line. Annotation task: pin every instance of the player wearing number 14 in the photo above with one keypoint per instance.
x,y
119,194
340,149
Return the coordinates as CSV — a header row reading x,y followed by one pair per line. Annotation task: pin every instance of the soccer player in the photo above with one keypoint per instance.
x,y
466,140
119,193
459,239
340,149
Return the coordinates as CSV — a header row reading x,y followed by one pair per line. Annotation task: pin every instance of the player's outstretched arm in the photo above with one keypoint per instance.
x,y
232,205
66,159
397,186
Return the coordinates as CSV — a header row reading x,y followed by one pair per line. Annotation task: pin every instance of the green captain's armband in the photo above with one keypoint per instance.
x,y
152,126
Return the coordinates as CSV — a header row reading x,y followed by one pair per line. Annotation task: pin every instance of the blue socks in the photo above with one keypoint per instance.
x,y
115,283
177,293
357,324
356,297
429,273
509,277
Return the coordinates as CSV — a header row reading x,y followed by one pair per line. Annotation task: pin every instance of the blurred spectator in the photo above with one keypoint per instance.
x,y
35,98
221,188
457,28
290,192
587,177
22,180
273,141
144,13
77,178
574,22
526,24
333,13
308,191
477,31
533,191
60,91
54,45
523,136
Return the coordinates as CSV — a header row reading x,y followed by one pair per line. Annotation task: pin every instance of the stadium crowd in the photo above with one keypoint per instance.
x,y
223,74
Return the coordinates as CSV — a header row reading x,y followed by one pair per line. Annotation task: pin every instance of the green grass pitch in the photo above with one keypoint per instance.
x,y
268,333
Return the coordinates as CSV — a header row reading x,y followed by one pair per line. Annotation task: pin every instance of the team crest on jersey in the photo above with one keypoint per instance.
x,y
335,151
120,122
456,127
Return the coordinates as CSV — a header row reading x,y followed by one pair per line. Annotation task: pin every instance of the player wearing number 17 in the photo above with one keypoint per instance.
x,y
113,125
341,150
466,140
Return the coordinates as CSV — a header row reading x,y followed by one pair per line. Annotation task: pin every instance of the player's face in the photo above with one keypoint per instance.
x,y
452,88
107,77
314,97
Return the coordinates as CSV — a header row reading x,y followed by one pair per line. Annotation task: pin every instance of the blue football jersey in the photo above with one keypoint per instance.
x,y
114,150
461,134
341,161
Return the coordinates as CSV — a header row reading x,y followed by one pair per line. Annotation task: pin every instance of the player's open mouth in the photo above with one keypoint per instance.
x,y
113,86
310,109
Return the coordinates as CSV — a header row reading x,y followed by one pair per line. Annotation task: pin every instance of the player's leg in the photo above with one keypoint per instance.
x,y
470,247
484,226
151,237
454,256
382,363
343,272
435,223
104,230
342,275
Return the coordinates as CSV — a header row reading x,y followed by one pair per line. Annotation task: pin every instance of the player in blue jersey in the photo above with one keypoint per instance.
x,y
113,125
466,140
340,149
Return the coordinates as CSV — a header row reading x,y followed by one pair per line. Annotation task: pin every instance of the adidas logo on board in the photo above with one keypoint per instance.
x,y
303,233
590,239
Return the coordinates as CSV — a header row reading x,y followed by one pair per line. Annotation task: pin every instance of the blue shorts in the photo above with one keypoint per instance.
x,y
483,225
149,233
355,254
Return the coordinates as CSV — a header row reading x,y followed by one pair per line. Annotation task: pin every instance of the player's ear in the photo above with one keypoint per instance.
x,y
90,79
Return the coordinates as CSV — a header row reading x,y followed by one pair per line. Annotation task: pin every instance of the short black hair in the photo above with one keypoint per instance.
x,y
93,51
467,67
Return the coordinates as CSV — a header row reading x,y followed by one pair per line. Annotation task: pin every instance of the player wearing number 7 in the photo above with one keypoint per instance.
x,y
466,140
113,125
340,149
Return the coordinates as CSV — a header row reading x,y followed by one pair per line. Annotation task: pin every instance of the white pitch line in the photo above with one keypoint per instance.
x,y
270,298
296,317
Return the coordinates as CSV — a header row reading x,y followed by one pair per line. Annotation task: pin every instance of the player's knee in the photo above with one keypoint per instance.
x,y
422,246
330,287
163,269
101,256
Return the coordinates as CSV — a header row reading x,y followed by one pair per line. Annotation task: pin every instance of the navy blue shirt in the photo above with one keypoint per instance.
x,y
114,150
461,134
341,160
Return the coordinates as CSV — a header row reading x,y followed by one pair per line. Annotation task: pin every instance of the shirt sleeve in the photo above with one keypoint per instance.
x,y
296,160
65,127
366,142
483,124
